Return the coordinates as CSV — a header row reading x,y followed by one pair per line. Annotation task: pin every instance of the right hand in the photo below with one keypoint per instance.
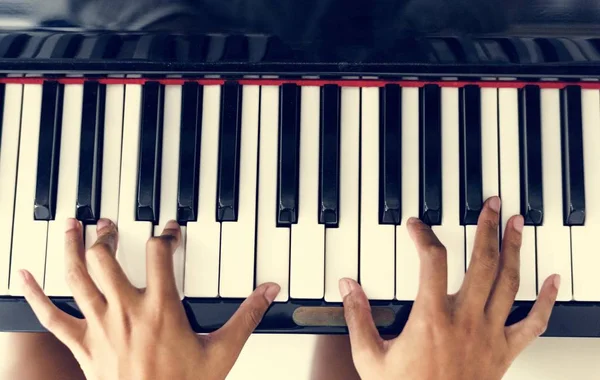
x,y
460,336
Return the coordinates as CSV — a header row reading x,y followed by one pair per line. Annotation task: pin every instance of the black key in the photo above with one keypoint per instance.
x,y
1,110
90,153
430,158
289,152
229,152
572,146
148,194
329,158
49,151
189,153
390,154
530,127
471,179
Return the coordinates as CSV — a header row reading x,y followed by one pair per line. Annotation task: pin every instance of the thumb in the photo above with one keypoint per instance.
x,y
364,336
234,334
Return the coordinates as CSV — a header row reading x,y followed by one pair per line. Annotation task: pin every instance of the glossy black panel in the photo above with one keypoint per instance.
x,y
228,176
46,182
471,180
148,189
573,167
289,155
430,155
12,44
103,46
189,152
60,46
390,154
90,152
568,319
329,160
530,128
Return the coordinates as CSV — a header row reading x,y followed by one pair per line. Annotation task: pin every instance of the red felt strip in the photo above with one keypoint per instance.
x,y
307,82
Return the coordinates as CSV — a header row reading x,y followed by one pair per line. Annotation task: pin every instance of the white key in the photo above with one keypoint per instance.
x,y
377,248
203,236
68,171
272,243
237,238
133,235
586,281
341,244
489,155
170,175
510,186
451,233
29,236
111,161
407,258
553,238
9,150
308,236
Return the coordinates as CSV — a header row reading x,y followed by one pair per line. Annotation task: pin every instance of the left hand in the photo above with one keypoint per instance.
x,y
131,333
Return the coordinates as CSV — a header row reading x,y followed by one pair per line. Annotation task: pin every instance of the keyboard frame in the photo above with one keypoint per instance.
x,y
568,319
454,59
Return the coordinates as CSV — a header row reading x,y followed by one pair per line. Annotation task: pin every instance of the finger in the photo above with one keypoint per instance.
x,y
482,270
161,276
86,294
230,339
506,286
521,334
69,330
364,337
103,264
433,276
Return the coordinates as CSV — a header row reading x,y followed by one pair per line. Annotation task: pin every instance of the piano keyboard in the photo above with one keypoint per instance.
x,y
301,183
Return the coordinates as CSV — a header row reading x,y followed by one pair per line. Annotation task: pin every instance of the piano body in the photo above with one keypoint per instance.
x,y
292,155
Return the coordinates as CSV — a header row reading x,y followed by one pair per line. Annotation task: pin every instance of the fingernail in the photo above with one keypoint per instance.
x,y
172,225
71,224
24,275
345,287
495,204
271,292
102,224
412,220
518,223
556,281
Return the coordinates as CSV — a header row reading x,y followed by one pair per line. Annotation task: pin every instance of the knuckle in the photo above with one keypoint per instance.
x,y
75,275
512,279
490,224
49,320
252,318
71,238
98,253
438,251
159,244
539,327
512,244
99,249
487,258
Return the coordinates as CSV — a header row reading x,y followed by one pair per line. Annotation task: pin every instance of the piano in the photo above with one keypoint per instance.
x,y
300,163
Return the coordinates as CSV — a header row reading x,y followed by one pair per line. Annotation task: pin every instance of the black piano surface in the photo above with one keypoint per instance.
x,y
425,40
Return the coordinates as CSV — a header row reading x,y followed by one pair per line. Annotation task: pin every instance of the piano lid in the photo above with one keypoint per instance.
x,y
340,37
